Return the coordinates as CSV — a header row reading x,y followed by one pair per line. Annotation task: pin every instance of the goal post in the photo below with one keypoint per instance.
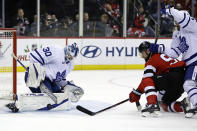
x,y
8,65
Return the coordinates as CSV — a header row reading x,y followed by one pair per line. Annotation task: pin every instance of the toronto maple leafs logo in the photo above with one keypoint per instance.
x,y
60,76
183,46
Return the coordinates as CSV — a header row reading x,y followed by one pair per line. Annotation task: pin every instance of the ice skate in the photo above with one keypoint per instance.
x,y
185,104
151,110
191,112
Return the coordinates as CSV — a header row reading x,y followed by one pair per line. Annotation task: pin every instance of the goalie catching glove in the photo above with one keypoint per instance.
x,y
74,92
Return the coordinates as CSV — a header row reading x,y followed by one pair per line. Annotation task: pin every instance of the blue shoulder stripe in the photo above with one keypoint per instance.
x,y
40,56
187,23
183,19
36,59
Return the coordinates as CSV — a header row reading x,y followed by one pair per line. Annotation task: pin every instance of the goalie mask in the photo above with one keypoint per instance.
x,y
71,51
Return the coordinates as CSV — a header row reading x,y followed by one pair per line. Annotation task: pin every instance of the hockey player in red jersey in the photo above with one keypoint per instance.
x,y
162,82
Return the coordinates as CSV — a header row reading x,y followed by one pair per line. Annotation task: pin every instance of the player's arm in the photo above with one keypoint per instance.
x,y
146,86
173,52
183,18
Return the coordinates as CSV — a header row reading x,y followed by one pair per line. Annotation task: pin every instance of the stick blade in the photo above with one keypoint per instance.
x,y
84,110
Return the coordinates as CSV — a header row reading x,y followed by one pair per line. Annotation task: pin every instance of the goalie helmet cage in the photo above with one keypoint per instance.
x,y
8,65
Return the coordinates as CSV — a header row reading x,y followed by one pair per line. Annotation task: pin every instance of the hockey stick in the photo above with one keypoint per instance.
x,y
91,113
14,56
138,105
42,87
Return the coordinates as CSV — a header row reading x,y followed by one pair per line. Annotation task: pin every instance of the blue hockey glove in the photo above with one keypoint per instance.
x,y
165,9
157,48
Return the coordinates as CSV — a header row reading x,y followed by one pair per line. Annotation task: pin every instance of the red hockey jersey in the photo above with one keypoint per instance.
x,y
156,65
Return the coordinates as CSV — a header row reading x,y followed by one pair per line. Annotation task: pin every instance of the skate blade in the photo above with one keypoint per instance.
x,y
148,114
189,115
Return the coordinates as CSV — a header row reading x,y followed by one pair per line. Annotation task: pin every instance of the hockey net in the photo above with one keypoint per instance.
x,y
8,66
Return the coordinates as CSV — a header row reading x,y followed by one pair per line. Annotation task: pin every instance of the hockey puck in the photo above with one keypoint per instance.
x,y
49,106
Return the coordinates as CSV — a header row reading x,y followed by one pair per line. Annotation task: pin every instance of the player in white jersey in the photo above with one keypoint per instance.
x,y
184,42
47,75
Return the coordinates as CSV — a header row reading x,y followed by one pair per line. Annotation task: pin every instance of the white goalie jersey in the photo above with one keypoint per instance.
x,y
52,58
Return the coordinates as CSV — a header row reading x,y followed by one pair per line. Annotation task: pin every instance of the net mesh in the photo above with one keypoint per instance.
x,y
7,64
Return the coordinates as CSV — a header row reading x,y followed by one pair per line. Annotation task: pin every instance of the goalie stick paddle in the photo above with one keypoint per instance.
x,y
91,113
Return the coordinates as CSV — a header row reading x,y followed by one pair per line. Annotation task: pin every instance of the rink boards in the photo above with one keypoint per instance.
x,y
94,53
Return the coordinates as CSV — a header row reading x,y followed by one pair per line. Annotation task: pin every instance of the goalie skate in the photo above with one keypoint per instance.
x,y
151,110
12,107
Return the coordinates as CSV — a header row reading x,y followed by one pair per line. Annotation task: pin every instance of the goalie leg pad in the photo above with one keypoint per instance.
x,y
34,75
41,101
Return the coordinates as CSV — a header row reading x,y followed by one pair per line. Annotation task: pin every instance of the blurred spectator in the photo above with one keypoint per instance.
x,y
33,26
64,30
138,29
141,25
103,28
88,27
50,26
112,8
178,6
186,4
166,21
22,23
77,17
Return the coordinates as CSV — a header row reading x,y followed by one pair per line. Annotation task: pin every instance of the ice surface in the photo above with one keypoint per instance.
x,y
102,89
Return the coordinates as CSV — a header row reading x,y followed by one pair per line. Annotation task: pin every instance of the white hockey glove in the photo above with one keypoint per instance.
x,y
34,75
74,92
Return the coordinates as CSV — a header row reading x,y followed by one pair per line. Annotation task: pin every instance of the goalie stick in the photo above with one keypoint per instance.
x,y
91,113
42,88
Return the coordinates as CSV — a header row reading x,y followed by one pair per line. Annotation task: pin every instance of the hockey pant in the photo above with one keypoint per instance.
x,y
170,86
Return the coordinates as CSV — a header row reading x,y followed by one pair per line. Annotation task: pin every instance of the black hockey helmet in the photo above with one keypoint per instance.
x,y
144,46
